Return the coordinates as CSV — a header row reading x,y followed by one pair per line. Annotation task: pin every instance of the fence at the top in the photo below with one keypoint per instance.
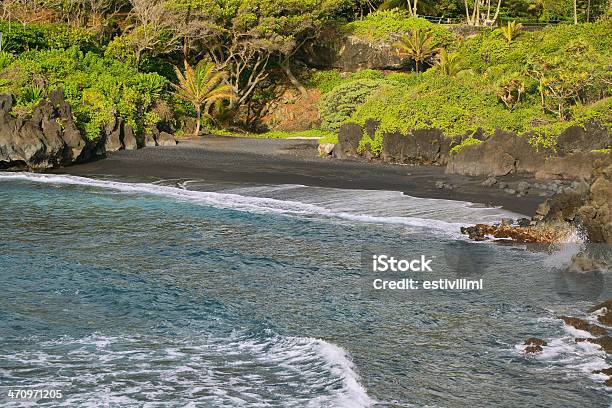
x,y
500,21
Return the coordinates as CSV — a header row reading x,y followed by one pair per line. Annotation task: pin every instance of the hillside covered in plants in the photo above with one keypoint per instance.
x,y
225,66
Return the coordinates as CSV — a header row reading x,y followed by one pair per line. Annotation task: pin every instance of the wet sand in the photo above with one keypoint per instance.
x,y
291,161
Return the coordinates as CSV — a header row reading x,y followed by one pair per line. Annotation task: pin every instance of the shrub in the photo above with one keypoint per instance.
x,y
17,38
324,81
383,25
97,88
338,105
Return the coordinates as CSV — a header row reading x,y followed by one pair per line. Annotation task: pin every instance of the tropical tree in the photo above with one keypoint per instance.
x,y
202,86
511,31
418,46
448,63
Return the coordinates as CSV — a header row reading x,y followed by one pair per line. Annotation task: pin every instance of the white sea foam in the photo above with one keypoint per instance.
x,y
564,353
234,371
262,204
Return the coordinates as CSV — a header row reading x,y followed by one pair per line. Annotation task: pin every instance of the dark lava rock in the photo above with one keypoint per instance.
x,y
47,139
583,325
533,349
166,139
112,136
605,342
128,140
591,136
606,371
349,136
534,341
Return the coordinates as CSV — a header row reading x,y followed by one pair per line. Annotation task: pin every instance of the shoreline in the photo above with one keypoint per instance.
x,y
294,161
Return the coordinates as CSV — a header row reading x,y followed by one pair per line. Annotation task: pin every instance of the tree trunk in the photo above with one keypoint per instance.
x,y
497,11
575,11
588,14
467,12
198,121
287,68
414,8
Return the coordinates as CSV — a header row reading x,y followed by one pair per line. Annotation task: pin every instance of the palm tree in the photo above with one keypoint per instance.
x,y
449,63
419,46
202,86
511,31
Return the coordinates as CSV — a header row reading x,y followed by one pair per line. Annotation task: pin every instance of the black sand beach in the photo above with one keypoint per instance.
x,y
293,161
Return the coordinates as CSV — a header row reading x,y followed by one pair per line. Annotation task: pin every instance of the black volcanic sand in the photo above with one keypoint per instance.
x,y
292,161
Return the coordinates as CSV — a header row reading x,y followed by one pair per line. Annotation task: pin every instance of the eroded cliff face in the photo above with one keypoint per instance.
x,y
49,137
337,50
591,208
500,154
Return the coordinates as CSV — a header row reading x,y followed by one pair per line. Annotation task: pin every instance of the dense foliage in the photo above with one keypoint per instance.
x,y
116,57
97,88
543,81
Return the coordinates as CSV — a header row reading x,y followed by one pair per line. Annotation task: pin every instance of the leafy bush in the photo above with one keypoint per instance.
x,y
324,81
382,25
17,38
97,88
497,87
338,105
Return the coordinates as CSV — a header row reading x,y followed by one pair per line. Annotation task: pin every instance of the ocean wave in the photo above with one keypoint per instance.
x,y
239,202
270,370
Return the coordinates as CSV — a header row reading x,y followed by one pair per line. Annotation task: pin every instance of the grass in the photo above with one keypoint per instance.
x,y
311,133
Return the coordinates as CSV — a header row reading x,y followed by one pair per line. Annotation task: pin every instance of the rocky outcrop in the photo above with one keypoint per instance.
x,y
590,207
506,153
165,139
48,138
534,345
540,234
583,325
349,136
350,53
500,154
421,146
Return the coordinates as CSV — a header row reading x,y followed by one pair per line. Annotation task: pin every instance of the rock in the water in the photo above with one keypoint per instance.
x,y
584,263
583,325
325,149
166,139
606,371
604,312
534,341
542,234
604,341
534,349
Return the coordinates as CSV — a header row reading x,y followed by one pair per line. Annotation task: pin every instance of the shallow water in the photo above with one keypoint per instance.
x,y
180,293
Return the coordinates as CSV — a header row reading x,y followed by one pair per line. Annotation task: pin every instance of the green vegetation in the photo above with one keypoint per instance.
x,y
544,81
470,141
203,87
97,88
116,58
383,25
